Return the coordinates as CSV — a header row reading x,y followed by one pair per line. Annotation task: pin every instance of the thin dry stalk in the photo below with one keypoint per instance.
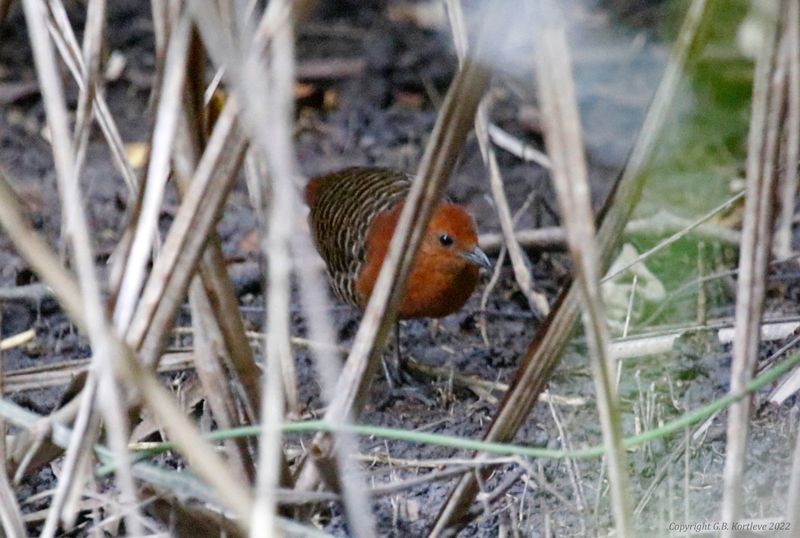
x,y
762,152
541,357
61,373
202,458
572,467
452,126
511,144
33,293
169,108
196,216
315,301
161,28
214,283
487,291
251,91
219,332
660,224
280,379
67,44
271,131
789,179
519,261
208,346
221,293
564,143
99,331
192,137
793,503
75,467
551,237
92,45
681,233
10,514
89,84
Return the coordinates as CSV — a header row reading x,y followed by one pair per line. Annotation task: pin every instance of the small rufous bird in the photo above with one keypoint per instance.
x,y
353,216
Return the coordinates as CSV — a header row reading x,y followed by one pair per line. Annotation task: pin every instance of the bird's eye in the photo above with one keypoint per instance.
x,y
445,240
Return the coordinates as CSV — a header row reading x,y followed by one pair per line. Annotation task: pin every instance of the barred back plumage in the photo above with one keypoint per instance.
x,y
343,204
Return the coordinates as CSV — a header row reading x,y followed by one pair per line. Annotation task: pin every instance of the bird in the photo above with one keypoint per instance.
x,y
352,216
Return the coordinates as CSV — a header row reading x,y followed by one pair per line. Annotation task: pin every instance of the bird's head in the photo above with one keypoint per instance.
x,y
445,271
451,239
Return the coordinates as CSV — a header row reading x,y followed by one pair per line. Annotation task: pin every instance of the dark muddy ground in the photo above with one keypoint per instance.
x,y
382,113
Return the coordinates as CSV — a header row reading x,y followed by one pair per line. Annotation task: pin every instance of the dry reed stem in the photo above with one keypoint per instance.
x,y
92,45
61,373
542,356
98,328
280,380
553,238
215,314
34,293
169,108
186,239
18,339
218,46
548,238
564,142
250,82
315,301
220,291
191,444
208,347
281,164
793,501
161,28
452,126
789,178
511,144
10,514
762,152
519,261
681,233
178,483
262,517
67,45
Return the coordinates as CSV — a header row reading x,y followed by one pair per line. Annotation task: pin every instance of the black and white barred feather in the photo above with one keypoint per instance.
x,y
343,205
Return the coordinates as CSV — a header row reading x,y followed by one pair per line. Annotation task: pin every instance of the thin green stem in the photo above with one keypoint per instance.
x,y
673,426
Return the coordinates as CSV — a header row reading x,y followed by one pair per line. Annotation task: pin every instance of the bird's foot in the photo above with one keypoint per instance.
x,y
404,384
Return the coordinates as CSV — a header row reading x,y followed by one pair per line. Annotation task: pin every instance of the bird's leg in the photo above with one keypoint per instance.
x,y
402,366
393,370
399,377
434,327
388,373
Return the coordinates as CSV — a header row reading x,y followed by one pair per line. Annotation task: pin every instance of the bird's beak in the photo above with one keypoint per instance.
x,y
478,257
